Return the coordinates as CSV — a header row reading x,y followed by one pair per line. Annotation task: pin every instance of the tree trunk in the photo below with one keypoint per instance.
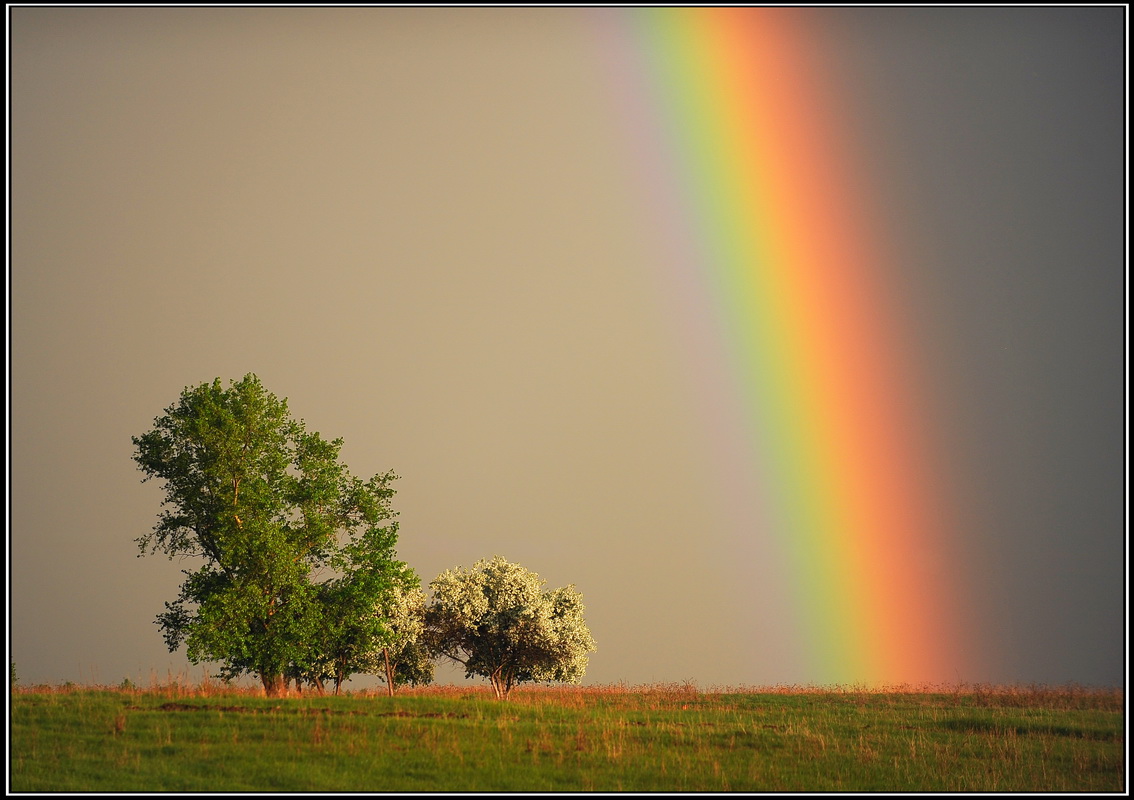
x,y
389,672
274,685
498,686
501,682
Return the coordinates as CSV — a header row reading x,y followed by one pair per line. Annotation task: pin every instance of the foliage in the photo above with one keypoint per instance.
x,y
406,658
287,536
498,621
360,634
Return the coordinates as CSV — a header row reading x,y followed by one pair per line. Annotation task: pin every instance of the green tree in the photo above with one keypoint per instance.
x,y
500,623
279,524
359,631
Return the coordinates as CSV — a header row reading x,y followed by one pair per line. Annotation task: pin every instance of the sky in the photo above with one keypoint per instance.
x,y
465,241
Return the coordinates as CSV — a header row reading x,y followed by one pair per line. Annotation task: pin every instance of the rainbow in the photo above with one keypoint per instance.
x,y
777,242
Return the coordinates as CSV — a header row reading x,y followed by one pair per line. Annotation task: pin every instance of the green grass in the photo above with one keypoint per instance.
x,y
660,739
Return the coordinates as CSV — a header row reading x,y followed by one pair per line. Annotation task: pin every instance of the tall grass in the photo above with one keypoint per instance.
x,y
209,736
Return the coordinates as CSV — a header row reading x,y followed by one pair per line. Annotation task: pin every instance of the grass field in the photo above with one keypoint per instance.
x,y
666,738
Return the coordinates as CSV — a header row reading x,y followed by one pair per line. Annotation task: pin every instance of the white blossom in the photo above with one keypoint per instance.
x,y
500,623
403,658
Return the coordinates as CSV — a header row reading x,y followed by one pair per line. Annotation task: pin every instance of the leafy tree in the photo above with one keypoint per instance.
x,y
280,525
357,628
498,621
406,657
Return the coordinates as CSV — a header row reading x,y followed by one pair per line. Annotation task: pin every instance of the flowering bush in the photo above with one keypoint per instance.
x,y
498,621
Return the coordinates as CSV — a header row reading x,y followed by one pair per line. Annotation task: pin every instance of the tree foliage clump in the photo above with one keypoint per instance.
x,y
295,551
498,621
404,658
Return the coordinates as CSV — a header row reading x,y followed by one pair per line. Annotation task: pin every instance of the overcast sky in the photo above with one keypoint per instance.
x,y
420,226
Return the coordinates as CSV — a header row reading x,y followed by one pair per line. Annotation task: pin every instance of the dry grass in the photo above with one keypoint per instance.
x,y
1069,696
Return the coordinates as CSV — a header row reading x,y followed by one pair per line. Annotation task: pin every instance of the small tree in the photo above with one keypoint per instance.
x,y
405,657
360,620
269,510
500,623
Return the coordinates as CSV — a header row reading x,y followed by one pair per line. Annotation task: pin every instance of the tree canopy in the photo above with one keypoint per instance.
x,y
295,551
498,621
405,658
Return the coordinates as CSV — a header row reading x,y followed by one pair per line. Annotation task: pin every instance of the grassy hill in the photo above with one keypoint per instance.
x,y
651,738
